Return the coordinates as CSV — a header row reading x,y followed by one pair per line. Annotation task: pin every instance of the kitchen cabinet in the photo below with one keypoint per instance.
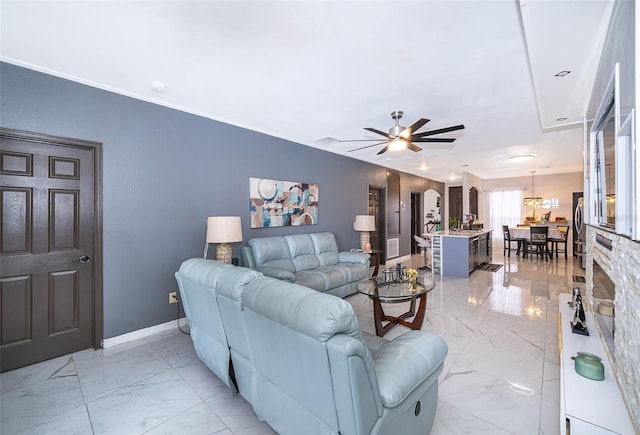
x,y
459,253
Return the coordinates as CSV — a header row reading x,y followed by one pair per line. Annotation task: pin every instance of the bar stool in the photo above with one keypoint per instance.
x,y
425,245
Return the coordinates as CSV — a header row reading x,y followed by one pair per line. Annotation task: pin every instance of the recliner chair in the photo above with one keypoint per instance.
x,y
316,374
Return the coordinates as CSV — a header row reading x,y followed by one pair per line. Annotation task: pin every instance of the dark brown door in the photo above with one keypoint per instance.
x,y
393,204
47,249
376,205
416,212
455,203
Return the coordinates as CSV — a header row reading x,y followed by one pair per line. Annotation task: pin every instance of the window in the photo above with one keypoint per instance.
x,y
505,208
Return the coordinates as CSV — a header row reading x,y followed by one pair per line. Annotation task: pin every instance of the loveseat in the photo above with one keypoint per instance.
x,y
299,358
311,260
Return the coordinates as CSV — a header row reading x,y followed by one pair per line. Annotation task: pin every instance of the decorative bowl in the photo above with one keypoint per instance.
x,y
588,365
606,308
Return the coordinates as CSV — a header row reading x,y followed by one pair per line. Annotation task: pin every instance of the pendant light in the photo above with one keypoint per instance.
x,y
532,200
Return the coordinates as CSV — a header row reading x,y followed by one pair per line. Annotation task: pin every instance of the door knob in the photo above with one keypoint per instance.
x,y
84,259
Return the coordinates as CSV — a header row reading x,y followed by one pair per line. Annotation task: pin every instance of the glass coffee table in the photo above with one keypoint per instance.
x,y
391,292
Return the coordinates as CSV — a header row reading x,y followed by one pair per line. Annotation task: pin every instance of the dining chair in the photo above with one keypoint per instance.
x,y
539,242
508,240
562,240
425,245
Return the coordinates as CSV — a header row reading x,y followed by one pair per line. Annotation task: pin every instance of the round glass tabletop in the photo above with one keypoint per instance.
x,y
394,291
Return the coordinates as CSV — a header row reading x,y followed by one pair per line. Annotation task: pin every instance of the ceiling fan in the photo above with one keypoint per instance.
x,y
400,137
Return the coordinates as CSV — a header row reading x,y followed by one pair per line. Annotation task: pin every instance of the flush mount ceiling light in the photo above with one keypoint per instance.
x,y
519,158
159,87
562,73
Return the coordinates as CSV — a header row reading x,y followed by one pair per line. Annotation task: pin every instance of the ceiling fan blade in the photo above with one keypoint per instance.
x,y
373,130
368,146
413,147
358,140
440,130
417,125
384,150
432,139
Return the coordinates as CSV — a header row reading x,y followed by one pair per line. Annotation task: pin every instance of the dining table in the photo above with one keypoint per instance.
x,y
524,233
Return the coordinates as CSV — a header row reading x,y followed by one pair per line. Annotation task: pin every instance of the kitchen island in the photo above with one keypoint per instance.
x,y
458,253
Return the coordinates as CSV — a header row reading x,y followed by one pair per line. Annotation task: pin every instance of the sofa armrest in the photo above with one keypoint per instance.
x,y
247,256
277,273
373,342
422,356
355,386
353,257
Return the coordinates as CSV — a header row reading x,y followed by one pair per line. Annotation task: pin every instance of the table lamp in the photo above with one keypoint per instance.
x,y
223,230
364,224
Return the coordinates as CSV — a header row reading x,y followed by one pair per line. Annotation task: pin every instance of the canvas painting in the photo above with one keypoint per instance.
x,y
274,203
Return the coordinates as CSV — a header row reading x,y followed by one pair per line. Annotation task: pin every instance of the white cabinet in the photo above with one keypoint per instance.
x,y
587,406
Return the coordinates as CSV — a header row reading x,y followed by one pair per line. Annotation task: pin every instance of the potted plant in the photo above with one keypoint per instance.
x,y
453,222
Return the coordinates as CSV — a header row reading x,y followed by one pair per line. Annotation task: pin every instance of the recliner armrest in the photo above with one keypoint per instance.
x,y
277,273
373,342
353,257
406,362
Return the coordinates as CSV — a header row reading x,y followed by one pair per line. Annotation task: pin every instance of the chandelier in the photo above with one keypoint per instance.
x,y
537,201
533,200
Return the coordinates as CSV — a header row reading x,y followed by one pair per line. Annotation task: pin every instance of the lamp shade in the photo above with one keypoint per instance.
x,y
224,229
364,223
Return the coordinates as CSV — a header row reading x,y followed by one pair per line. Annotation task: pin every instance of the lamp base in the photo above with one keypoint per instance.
x,y
223,253
365,239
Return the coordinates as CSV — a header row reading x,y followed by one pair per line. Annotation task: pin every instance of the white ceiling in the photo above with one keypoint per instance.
x,y
309,71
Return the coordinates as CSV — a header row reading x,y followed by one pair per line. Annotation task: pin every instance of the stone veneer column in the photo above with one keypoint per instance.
x,y
622,264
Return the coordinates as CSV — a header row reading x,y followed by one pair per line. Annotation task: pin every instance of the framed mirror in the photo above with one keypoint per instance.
x,y
603,146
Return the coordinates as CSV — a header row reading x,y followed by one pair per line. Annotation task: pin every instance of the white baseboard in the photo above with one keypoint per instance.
x,y
145,332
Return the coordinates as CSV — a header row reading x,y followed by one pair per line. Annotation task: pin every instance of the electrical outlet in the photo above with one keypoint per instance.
x,y
173,298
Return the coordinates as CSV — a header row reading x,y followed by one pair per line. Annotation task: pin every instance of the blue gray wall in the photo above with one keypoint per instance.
x,y
165,171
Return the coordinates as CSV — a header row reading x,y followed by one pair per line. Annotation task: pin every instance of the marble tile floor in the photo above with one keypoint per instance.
x,y
501,375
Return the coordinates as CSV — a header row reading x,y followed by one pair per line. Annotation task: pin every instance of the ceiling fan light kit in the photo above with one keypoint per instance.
x,y
397,144
400,137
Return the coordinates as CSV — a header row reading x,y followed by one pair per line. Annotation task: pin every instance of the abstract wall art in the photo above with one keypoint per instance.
x,y
274,203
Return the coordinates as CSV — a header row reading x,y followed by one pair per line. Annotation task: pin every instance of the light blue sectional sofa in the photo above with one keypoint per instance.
x,y
299,358
311,260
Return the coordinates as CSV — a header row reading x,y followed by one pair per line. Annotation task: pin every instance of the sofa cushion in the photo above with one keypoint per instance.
x,y
326,248
355,272
272,252
334,276
302,251
311,279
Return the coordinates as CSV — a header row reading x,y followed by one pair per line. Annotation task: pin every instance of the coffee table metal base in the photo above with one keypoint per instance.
x,y
418,317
